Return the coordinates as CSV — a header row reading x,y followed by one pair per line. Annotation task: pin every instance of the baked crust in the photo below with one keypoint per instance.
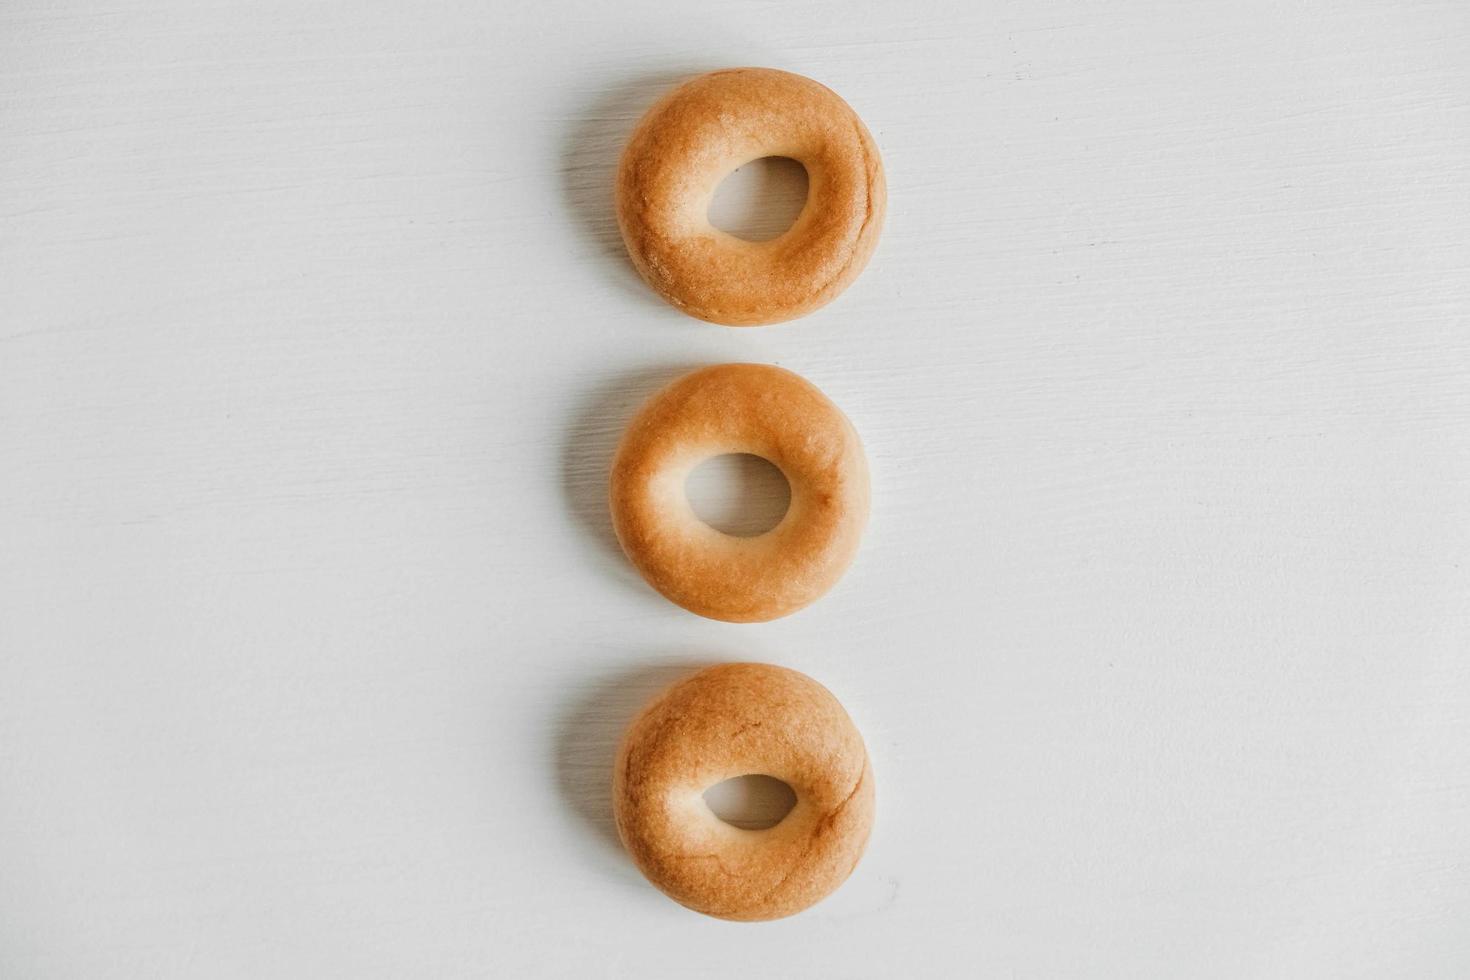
x,y
740,408
733,720
692,139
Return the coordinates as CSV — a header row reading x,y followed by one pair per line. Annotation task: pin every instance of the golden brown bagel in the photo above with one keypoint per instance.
x,y
692,139
740,408
735,720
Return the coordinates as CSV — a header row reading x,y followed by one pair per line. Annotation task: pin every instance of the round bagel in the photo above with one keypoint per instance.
x,y
693,139
734,720
740,408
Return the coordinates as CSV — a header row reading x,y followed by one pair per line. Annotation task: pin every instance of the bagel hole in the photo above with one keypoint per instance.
x,y
754,802
760,200
738,494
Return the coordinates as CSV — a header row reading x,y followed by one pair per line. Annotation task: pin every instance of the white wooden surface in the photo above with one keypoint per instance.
x,y
316,333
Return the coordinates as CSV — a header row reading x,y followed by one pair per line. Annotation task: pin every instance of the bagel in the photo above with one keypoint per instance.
x,y
740,408
699,133
732,720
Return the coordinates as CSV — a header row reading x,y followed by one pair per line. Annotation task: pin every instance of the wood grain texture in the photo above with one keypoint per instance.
x,y
316,334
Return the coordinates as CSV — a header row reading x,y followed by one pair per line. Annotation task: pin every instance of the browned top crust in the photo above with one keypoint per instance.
x,y
733,720
700,132
740,408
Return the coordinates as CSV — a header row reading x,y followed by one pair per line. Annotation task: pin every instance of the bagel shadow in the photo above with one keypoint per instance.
x,y
588,731
589,164
587,453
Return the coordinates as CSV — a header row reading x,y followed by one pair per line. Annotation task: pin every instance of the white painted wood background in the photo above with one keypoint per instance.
x,y
315,336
